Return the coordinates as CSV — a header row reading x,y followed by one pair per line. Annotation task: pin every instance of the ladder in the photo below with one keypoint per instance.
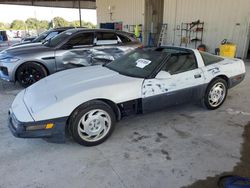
x,y
163,35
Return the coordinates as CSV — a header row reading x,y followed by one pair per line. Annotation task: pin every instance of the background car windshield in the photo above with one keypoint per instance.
x,y
41,37
139,63
51,35
53,42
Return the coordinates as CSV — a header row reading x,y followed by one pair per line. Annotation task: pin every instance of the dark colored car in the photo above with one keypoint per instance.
x,y
46,35
26,40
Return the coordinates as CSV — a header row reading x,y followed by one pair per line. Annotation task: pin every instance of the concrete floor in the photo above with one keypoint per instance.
x,y
169,149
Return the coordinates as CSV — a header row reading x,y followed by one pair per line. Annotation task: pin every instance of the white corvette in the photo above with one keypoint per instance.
x,y
86,102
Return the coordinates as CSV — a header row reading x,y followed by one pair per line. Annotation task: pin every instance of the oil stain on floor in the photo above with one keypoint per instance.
x,y
242,168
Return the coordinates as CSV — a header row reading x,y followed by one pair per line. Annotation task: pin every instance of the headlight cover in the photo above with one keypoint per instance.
x,y
9,60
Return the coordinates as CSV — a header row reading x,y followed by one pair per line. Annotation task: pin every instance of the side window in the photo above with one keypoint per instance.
x,y
209,59
124,39
180,63
81,39
106,38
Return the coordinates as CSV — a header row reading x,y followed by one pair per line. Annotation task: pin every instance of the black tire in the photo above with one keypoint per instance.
x,y
83,113
221,84
29,73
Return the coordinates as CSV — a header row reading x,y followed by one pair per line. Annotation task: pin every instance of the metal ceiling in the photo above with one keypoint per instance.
x,y
84,4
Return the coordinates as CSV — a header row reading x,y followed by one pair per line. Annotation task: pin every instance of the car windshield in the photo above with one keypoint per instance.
x,y
139,63
53,42
42,36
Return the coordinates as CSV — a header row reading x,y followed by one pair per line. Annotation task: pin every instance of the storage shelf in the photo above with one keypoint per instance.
x,y
192,33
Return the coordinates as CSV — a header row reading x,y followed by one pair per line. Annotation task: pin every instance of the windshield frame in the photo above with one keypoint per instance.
x,y
153,72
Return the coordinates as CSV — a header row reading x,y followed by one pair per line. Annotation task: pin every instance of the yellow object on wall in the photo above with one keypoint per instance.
x,y
228,50
137,31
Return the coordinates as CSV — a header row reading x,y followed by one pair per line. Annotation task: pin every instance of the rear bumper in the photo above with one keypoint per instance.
x,y
235,80
55,134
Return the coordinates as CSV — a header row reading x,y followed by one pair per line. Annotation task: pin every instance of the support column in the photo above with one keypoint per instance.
x,y
80,14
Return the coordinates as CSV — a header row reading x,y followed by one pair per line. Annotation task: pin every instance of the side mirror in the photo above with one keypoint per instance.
x,y
163,75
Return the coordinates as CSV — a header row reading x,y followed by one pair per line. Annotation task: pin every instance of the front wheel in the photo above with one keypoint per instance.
x,y
216,94
29,73
92,123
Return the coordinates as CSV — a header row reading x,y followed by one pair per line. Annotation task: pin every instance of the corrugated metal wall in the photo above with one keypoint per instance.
x,y
223,19
130,12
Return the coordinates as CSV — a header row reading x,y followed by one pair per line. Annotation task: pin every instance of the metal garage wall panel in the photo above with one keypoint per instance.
x,y
128,11
223,19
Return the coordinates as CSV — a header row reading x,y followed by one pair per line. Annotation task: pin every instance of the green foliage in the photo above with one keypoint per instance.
x,y
76,23
17,25
32,23
43,24
60,22
88,24
3,26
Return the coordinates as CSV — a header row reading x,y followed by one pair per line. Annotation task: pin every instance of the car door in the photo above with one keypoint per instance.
x,y
75,52
184,83
107,48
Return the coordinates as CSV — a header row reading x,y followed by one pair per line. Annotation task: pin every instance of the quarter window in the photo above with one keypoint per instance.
x,y
106,38
181,62
209,59
124,39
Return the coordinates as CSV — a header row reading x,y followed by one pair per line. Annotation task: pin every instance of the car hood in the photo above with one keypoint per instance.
x,y
26,48
59,94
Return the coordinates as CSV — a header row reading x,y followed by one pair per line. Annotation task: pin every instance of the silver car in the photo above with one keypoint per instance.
x,y
29,63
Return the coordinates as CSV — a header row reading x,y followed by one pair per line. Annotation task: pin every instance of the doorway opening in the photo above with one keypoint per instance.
x,y
248,51
153,21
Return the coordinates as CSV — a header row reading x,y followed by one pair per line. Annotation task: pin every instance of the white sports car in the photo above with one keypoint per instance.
x,y
86,102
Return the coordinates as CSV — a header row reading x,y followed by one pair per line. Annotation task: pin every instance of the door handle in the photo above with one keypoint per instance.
x,y
197,76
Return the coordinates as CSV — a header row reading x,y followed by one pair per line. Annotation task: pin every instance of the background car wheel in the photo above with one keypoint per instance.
x,y
29,73
92,123
216,94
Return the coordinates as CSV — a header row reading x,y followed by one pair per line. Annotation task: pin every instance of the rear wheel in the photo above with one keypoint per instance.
x,y
216,94
29,73
92,123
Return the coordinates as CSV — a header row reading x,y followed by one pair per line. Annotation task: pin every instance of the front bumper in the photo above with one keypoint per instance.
x,y
7,71
55,134
4,75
